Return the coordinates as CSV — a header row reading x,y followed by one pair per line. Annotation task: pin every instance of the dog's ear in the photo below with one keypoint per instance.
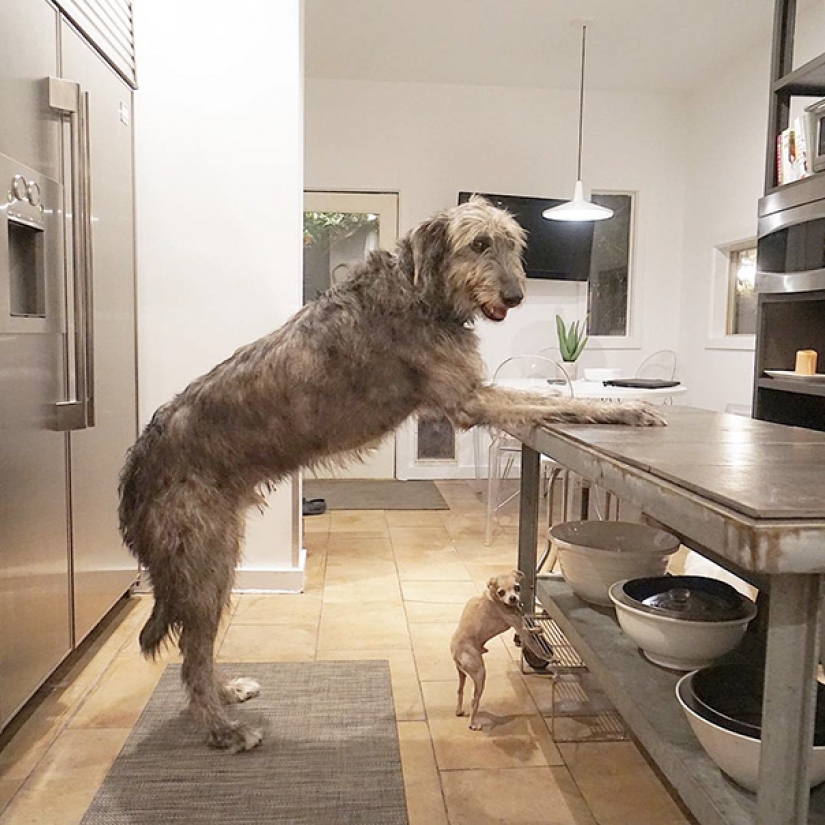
x,y
492,584
518,575
430,245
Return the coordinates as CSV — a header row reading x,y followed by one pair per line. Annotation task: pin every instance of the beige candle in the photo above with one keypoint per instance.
x,y
806,362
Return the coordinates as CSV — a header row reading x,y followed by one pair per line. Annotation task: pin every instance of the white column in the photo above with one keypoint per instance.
x,y
219,178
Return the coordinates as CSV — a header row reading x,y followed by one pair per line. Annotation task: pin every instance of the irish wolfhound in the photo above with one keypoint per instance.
x,y
394,339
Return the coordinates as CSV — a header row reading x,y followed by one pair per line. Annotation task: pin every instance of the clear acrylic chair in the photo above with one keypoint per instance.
x,y
661,364
533,373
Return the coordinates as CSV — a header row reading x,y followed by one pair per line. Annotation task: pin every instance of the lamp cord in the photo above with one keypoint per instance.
x,y
581,103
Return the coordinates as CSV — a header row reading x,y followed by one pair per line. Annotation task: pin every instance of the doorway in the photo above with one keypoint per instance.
x,y
340,229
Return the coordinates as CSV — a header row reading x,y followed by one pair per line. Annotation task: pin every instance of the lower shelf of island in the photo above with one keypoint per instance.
x,y
645,696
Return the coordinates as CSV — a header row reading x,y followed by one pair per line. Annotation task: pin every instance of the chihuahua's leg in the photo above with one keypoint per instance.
x,y
462,678
479,676
470,663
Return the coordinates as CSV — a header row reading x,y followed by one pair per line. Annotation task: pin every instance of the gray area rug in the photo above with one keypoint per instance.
x,y
330,754
346,494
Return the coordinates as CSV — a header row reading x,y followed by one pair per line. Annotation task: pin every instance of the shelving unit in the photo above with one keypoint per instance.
x,y
788,322
791,313
645,696
807,80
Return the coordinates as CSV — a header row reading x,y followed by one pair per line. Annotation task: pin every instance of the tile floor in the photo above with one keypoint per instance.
x,y
380,584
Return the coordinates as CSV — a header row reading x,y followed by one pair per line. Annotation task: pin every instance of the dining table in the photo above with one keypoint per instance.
x,y
581,388
748,495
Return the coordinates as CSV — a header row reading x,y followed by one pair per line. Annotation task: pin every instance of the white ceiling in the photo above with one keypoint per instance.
x,y
643,45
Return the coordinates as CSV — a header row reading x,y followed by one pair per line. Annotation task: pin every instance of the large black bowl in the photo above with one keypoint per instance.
x,y
730,696
703,598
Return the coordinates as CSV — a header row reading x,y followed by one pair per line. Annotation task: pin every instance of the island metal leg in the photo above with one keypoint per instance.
x,y
528,525
789,700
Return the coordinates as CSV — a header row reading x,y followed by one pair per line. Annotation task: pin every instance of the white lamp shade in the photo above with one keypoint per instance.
x,y
578,209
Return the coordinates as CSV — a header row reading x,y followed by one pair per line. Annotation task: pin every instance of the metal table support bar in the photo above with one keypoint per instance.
x,y
528,526
789,701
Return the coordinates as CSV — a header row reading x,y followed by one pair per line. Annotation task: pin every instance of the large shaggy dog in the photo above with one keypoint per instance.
x,y
394,339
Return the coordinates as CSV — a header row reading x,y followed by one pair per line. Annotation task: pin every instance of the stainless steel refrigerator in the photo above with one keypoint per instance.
x,y
67,340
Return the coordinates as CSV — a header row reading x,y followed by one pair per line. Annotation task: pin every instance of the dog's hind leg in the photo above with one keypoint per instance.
x,y
471,663
204,572
462,678
479,677
206,695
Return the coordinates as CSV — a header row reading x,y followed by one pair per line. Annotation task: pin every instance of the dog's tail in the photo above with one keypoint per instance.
x,y
137,481
157,630
139,492
140,484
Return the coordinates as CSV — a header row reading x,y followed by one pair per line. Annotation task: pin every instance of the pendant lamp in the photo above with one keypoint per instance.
x,y
579,209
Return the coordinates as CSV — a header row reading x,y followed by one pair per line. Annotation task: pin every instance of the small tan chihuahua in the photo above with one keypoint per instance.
x,y
484,617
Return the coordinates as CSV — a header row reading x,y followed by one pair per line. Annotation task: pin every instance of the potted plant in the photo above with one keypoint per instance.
x,y
572,339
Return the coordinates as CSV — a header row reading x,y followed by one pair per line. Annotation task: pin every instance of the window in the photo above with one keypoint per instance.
x,y
609,285
741,314
733,297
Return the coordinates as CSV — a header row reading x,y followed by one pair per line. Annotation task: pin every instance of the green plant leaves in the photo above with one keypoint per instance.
x,y
572,339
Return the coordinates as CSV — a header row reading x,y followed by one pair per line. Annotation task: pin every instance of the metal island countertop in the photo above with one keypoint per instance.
x,y
747,494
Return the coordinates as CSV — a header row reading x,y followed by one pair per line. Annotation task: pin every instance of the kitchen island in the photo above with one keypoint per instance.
x,y
748,495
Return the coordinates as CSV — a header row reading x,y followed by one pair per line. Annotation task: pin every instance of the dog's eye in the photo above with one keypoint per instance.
x,y
481,244
517,588
501,592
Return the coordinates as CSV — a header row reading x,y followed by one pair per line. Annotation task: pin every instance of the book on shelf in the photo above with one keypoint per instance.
x,y
792,153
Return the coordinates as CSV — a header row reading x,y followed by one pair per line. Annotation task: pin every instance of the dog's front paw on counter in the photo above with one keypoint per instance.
x,y
640,414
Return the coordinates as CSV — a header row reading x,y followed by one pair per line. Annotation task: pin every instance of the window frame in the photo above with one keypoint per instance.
x,y
630,339
730,315
719,338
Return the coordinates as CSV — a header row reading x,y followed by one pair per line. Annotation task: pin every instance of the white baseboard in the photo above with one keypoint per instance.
x,y
439,472
251,580
280,580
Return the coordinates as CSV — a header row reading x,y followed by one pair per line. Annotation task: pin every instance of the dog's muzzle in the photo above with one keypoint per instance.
x,y
509,299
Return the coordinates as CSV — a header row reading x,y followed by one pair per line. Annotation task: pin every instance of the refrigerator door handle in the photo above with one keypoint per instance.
x,y
88,257
78,412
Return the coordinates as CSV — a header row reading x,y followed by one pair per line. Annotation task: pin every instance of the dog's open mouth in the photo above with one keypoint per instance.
x,y
495,312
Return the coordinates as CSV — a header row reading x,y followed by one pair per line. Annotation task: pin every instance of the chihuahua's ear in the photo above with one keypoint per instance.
x,y
492,583
518,574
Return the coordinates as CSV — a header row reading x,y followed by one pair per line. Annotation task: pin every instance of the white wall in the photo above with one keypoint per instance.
x,y
725,168
219,155
725,165
429,141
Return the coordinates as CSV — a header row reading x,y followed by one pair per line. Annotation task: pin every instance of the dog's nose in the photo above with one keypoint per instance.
x,y
512,298
513,599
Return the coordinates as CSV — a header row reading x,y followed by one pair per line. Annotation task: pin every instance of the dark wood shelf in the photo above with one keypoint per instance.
x,y
792,385
808,80
791,194
786,323
645,695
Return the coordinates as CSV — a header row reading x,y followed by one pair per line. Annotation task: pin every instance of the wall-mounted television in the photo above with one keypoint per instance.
x,y
556,250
